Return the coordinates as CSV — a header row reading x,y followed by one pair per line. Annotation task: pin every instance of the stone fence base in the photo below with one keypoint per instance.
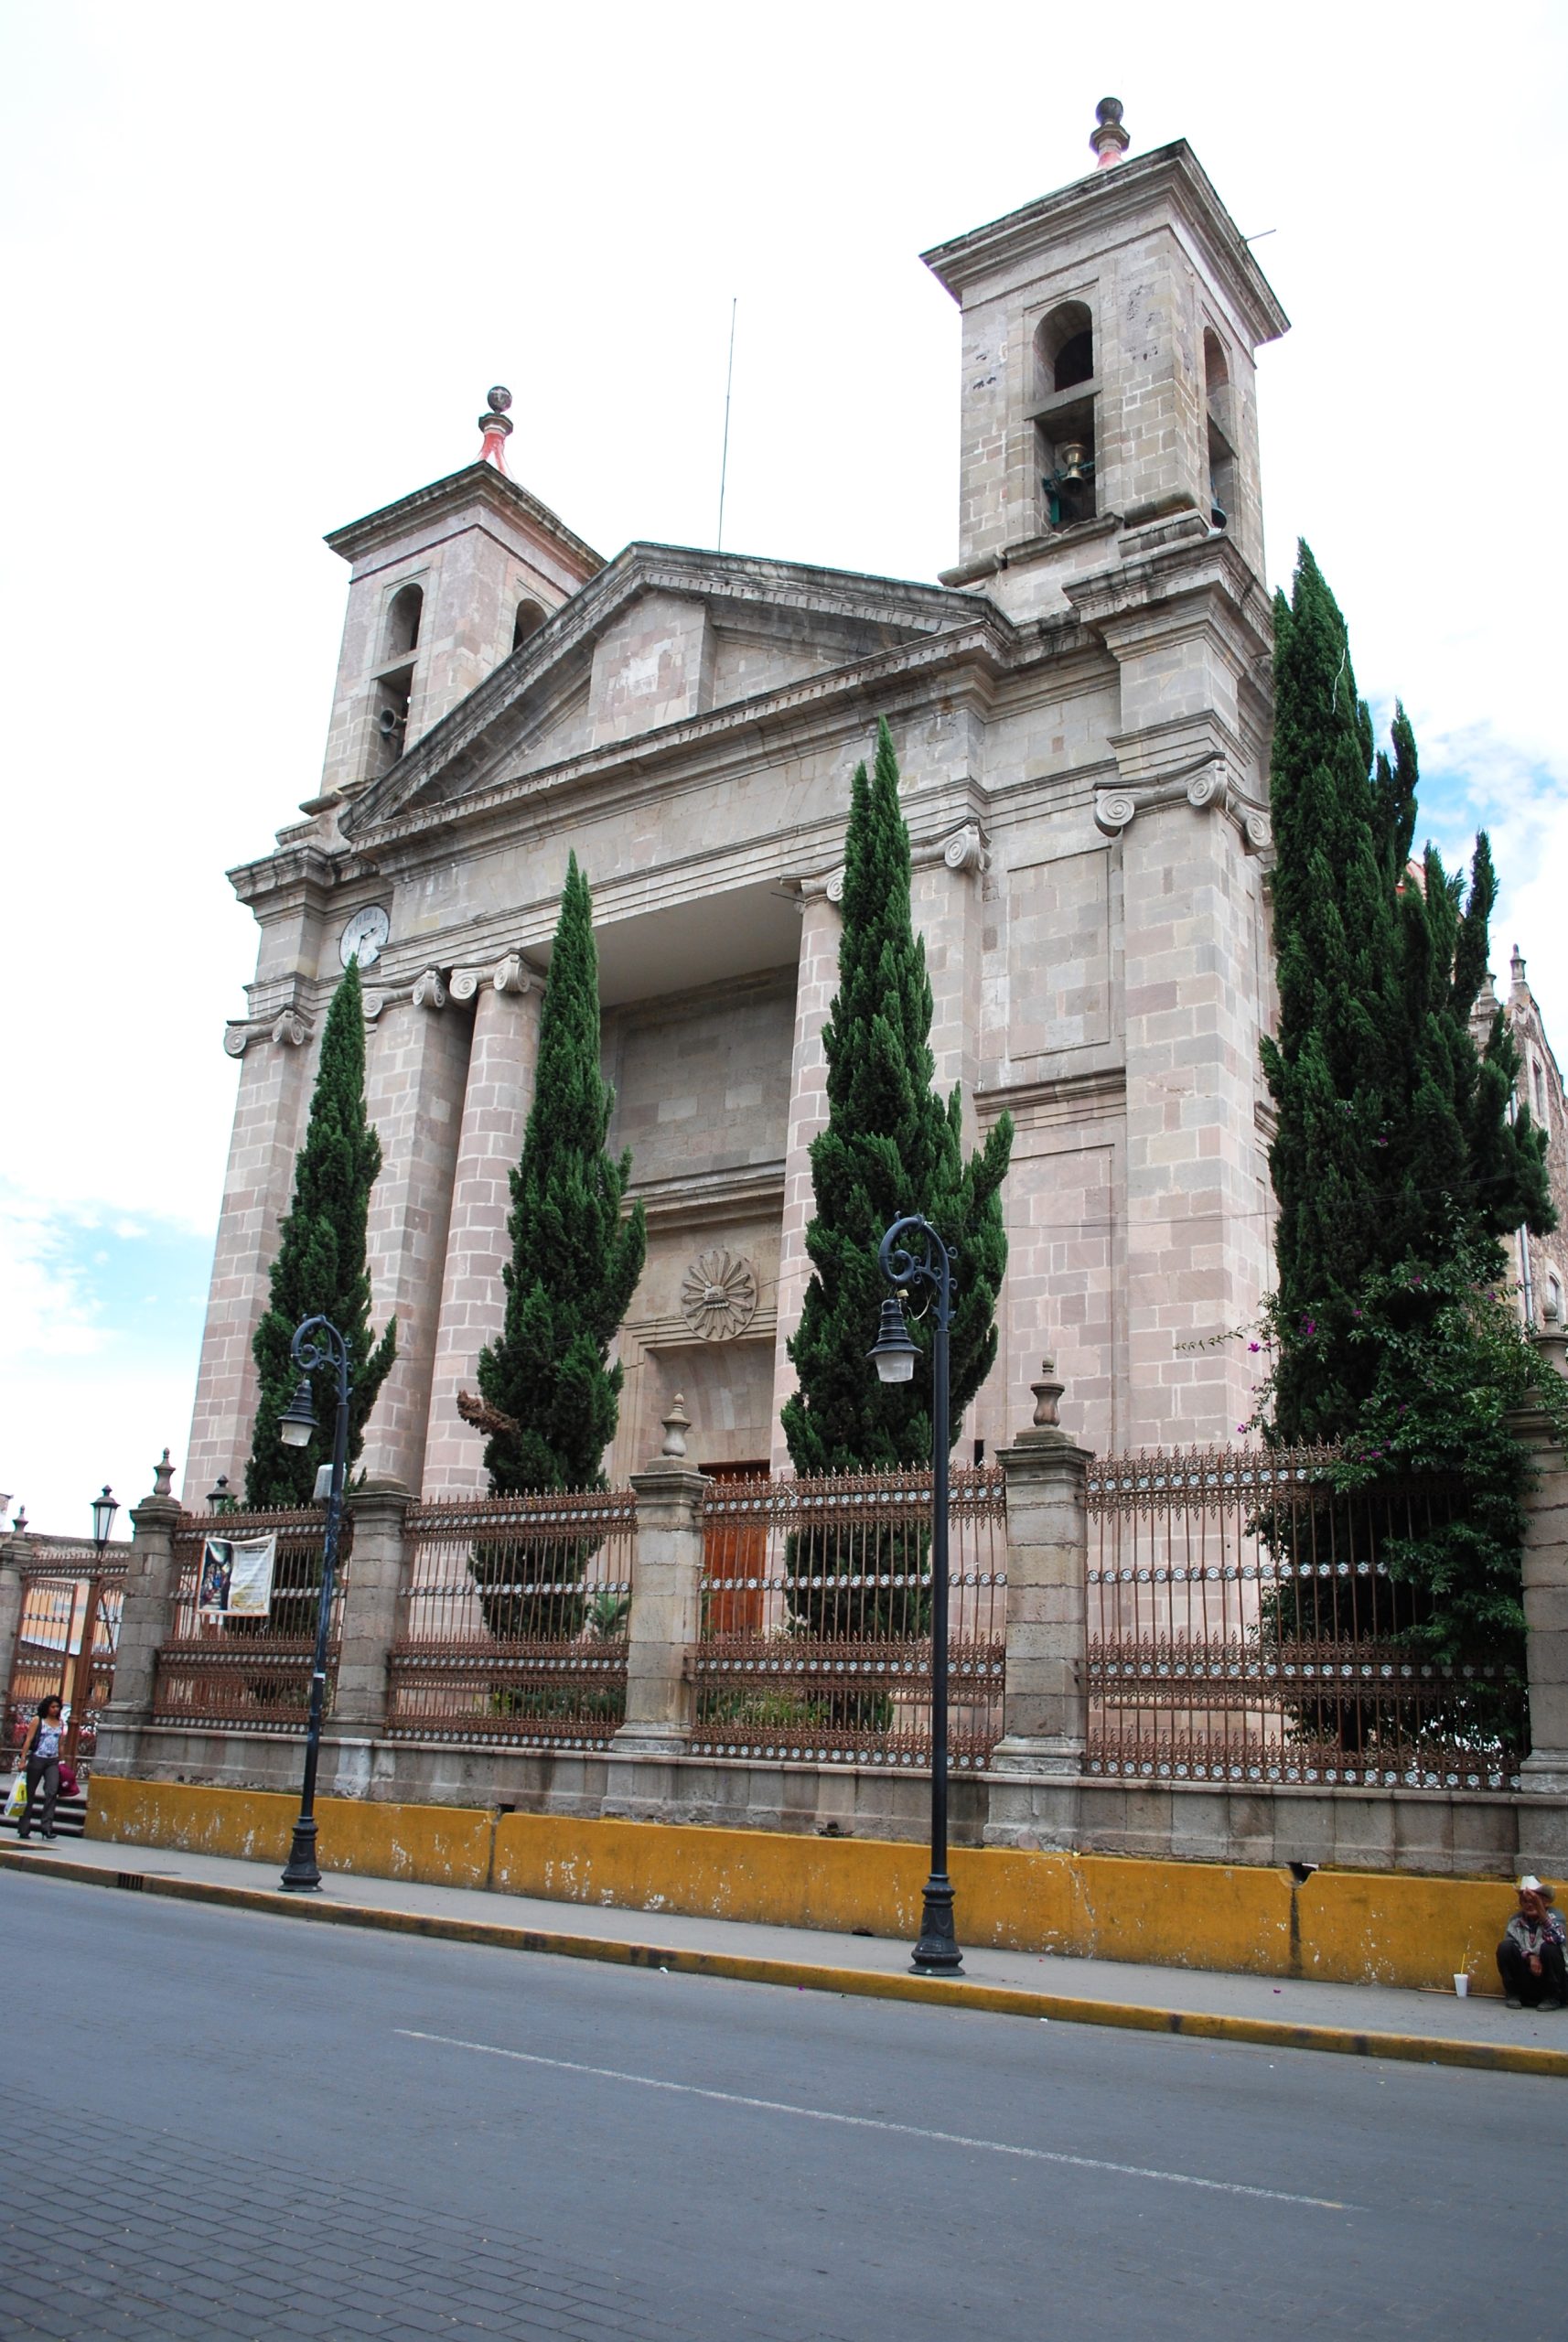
x,y
1438,1833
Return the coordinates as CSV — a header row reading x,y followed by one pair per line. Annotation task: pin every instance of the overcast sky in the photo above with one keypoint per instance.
x,y
261,266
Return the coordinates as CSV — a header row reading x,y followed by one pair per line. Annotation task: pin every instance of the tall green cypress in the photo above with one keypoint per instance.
x,y
890,1145
321,1267
575,1259
1397,1164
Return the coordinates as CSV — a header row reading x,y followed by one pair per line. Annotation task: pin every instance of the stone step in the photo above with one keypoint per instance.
x,y
71,1816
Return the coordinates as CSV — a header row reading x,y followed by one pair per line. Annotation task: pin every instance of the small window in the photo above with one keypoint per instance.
x,y
1538,1081
529,620
1553,1302
404,612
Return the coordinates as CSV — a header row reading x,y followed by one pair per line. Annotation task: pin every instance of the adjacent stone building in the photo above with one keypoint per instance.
x,y
1080,707
1538,1263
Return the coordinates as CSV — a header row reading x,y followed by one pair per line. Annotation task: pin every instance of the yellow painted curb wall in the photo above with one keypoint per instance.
x,y
1341,1927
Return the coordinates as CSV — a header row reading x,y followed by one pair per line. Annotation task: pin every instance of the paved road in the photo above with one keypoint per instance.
x,y
223,2126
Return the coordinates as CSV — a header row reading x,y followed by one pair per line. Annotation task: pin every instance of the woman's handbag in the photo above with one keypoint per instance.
x,y
16,1804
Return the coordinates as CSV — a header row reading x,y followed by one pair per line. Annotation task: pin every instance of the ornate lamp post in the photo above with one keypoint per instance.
x,y
79,1684
895,1353
316,1343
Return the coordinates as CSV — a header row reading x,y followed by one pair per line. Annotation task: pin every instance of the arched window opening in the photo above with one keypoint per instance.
x,y
404,612
529,620
1538,1081
1216,373
1220,435
1065,414
1553,1304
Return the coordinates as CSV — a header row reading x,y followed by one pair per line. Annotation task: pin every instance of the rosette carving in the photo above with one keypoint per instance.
x,y
718,1295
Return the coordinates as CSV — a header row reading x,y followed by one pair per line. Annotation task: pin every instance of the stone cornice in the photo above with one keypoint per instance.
x,y
567,636
290,877
1104,199
476,483
1139,593
1091,1096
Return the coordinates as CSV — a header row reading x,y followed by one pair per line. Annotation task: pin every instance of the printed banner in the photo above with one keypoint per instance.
x,y
237,1577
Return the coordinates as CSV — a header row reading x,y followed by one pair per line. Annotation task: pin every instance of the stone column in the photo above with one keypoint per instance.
x,y
1035,1766
1545,1558
413,1088
13,1553
496,1101
379,1509
666,1604
815,985
146,1619
276,1072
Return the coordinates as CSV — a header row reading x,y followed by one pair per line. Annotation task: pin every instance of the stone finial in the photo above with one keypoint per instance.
x,y
1107,138
677,1423
163,1476
1516,968
1048,1390
496,425
20,1523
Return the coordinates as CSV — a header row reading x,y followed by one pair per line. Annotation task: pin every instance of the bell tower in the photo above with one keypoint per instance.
x,y
444,585
1109,401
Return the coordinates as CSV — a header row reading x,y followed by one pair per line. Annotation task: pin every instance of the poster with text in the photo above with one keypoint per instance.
x,y
237,1577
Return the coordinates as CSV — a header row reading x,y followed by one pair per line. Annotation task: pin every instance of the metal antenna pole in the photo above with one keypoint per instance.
x,y
723,460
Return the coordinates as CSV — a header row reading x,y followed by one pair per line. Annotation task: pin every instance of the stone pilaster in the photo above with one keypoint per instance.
x,y
379,1509
815,985
151,1579
666,1598
1545,1560
418,1063
496,1101
275,1072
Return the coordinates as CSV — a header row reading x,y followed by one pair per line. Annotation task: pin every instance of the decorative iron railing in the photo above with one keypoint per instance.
x,y
1247,1622
816,1643
250,1674
512,1623
67,1637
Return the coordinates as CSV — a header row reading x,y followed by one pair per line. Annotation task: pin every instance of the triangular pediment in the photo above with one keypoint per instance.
x,y
662,635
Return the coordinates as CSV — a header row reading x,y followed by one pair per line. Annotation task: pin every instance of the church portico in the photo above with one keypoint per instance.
x,y
1081,713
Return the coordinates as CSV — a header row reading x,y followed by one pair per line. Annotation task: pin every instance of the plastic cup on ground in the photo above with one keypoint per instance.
x,y
1462,1987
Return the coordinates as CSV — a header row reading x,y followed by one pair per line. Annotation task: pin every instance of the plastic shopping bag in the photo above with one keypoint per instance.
x,y
17,1802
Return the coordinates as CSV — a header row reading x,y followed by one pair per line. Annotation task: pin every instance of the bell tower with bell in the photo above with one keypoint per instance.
x,y
444,585
1109,402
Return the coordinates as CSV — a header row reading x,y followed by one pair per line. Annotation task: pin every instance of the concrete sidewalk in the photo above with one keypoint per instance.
x,y
1361,2020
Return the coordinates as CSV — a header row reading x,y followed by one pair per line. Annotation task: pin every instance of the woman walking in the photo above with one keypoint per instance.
x,y
41,1753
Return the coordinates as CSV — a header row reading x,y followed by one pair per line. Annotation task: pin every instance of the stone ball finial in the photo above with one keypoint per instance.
x,y
163,1476
1107,138
677,1423
497,398
1048,1390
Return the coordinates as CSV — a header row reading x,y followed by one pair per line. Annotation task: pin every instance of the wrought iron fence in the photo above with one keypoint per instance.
x,y
67,1638
816,1641
512,1623
1244,1625
251,1674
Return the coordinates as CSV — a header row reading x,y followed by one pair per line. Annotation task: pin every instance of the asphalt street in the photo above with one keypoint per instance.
x,y
220,2125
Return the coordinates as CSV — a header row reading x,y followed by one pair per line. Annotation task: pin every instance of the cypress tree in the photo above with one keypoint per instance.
x,y
575,1260
321,1268
890,1145
1396,1166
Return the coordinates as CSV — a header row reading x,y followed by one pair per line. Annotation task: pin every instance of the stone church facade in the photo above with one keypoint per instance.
x,y
1081,713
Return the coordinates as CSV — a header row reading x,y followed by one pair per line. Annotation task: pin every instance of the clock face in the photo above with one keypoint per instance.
x,y
363,937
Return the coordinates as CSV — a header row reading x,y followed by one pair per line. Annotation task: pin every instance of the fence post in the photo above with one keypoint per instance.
x,y
1545,1573
151,1576
1045,1711
666,1598
13,1553
377,1560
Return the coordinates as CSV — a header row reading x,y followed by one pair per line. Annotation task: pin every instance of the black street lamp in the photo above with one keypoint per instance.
x,y
894,1352
104,1507
316,1343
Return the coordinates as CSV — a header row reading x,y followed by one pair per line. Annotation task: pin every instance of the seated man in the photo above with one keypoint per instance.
x,y
1531,1955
